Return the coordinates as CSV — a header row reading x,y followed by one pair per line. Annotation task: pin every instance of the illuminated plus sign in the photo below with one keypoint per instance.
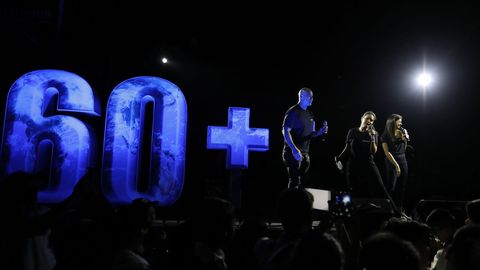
x,y
238,138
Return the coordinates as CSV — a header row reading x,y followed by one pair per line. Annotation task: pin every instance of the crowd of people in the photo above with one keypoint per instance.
x,y
86,232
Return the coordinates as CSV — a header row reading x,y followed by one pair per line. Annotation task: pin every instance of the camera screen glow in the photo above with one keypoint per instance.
x,y
346,199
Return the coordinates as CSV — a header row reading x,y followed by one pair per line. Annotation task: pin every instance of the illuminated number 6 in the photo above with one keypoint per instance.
x,y
35,141
144,145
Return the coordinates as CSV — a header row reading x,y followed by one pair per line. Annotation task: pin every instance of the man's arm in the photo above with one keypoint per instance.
x,y
288,139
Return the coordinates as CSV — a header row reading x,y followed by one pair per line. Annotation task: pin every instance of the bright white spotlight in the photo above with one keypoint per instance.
x,y
424,80
164,60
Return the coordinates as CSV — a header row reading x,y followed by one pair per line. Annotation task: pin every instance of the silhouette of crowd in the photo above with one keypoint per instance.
x,y
87,232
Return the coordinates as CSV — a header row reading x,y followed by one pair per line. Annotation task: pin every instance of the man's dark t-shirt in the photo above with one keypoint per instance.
x,y
301,123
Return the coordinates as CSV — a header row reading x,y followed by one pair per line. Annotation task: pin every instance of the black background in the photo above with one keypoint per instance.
x,y
355,55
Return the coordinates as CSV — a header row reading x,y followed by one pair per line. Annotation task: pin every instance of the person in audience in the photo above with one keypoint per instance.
x,y
212,231
241,253
443,226
415,232
25,225
316,250
136,220
473,212
464,251
295,211
386,251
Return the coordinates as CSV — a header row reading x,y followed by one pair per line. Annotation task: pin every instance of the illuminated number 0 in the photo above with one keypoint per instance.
x,y
136,150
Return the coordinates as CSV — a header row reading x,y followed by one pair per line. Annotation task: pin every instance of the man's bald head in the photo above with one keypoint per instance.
x,y
305,91
305,97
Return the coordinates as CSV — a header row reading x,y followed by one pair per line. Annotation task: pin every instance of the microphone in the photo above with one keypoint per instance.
x,y
325,126
405,133
322,131
338,163
371,129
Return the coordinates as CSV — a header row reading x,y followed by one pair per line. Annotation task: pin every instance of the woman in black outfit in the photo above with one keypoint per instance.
x,y
394,143
362,175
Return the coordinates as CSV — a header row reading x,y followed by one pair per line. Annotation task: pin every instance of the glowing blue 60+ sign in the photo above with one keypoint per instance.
x,y
34,138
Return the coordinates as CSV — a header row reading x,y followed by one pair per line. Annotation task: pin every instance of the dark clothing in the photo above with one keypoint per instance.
x,y
396,185
364,179
359,143
296,170
395,147
301,123
362,174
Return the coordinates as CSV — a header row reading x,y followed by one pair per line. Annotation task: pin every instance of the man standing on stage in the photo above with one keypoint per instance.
x,y
298,130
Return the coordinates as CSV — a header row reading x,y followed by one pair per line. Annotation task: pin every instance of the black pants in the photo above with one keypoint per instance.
x,y
364,179
296,169
397,185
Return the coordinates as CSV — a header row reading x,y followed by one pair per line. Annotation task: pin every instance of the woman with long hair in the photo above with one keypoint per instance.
x,y
394,143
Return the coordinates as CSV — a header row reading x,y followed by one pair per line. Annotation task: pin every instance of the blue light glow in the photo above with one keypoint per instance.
x,y
124,123
34,137
237,138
